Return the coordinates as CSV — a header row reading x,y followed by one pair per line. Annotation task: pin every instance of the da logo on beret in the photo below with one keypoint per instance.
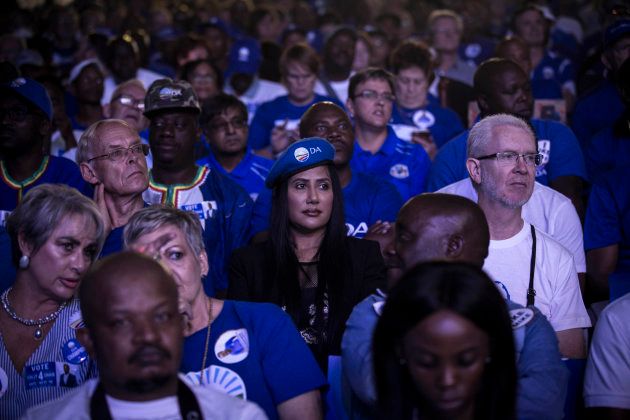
x,y
170,93
301,154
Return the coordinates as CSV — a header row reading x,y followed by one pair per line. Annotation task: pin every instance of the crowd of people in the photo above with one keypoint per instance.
x,y
301,209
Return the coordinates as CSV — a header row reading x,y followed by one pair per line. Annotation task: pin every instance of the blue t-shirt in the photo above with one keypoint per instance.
x,y
255,353
556,68
596,111
250,174
443,123
404,164
275,112
367,199
53,170
608,216
224,210
561,156
607,151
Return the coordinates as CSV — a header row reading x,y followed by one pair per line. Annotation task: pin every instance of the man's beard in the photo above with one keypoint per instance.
x,y
145,386
490,188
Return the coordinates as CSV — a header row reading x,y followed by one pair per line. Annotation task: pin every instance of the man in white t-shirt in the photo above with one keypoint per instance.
x,y
134,329
528,265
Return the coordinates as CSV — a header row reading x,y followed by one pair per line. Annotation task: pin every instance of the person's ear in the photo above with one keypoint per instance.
x,y
474,170
84,337
350,107
203,261
88,174
455,246
482,103
25,247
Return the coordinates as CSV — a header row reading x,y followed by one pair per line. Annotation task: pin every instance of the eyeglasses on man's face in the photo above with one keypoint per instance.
x,y
371,95
129,101
511,158
117,155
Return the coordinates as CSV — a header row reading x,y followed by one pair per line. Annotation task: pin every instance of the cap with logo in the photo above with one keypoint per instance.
x,y
244,58
167,94
300,156
615,32
31,91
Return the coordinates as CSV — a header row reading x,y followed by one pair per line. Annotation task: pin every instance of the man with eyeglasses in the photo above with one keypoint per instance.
x,y
223,207
25,123
112,159
503,87
527,265
378,151
224,123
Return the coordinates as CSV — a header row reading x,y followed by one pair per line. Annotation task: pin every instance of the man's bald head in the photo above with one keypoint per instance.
x,y
443,227
110,273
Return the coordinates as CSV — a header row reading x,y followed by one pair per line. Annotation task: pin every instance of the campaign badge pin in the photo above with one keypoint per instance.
x,y
76,320
521,317
301,154
232,346
73,352
399,171
219,378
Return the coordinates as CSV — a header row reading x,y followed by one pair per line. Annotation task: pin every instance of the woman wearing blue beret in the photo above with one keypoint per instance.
x,y
308,266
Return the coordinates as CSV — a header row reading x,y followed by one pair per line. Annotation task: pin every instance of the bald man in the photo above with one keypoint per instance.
x,y
444,227
135,333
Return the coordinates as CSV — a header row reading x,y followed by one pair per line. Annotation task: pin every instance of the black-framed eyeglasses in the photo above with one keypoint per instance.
x,y
129,101
371,95
117,155
236,123
511,158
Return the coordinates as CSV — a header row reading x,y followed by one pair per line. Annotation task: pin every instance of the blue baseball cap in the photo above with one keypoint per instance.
x,y
33,92
616,31
300,156
244,58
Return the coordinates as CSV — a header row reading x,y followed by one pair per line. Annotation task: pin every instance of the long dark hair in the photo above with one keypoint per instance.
x,y
466,290
332,267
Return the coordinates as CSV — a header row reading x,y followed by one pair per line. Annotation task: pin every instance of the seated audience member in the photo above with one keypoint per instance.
x,y
378,151
224,123
205,78
362,52
123,61
134,331
528,265
223,207
337,59
445,33
610,148
275,124
438,316
601,107
112,159
366,199
86,85
432,227
256,344
606,230
56,234
63,136
606,385
503,87
27,114
530,24
515,49
308,265
417,117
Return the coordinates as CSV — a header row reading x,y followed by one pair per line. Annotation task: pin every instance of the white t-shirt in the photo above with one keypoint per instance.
x,y
548,210
607,378
259,92
215,405
556,283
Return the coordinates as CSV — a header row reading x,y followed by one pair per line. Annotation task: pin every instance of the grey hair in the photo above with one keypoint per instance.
x,y
445,13
481,133
131,82
91,136
152,218
42,210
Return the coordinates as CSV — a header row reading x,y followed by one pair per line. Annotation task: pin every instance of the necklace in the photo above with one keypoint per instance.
x,y
205,349
38,334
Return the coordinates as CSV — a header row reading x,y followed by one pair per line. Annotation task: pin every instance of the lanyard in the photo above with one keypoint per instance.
x,y
531,292
188,405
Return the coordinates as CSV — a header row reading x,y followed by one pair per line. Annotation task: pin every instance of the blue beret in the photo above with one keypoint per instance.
x,y
300,156
33,92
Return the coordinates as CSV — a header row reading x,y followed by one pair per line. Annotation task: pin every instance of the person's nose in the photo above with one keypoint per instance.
x,y
520,166
447,376
145,331
229,128
80,262
312,195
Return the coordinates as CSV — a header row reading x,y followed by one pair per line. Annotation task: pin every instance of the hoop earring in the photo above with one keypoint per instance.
x,y
24,262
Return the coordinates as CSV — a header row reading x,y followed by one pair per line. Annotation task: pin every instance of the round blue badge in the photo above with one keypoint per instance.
x,y
74,352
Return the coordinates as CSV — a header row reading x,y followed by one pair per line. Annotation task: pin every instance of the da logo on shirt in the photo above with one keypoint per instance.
x,y
74,352
521,317
4,382
232,346
423,119
548,72
472,50
220,378
399,171
301,154
378,307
